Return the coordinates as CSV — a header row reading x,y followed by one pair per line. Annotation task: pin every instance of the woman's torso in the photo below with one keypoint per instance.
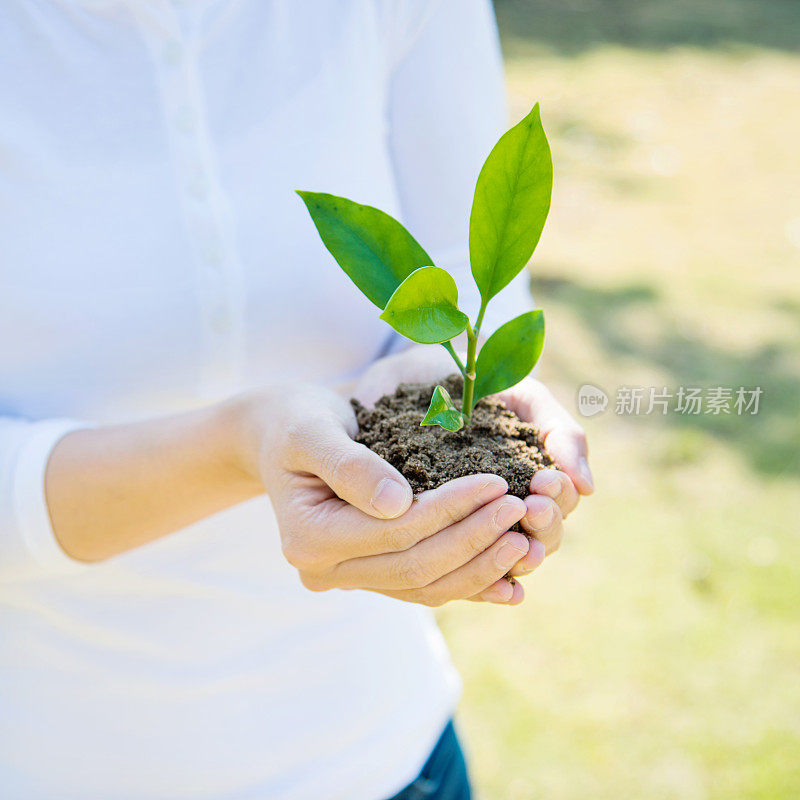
x,y
153,257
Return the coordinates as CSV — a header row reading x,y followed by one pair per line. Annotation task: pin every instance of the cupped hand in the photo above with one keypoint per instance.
x,y
554,492
348,519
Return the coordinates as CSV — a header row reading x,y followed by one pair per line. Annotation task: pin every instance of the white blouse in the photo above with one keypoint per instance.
x,y
153,257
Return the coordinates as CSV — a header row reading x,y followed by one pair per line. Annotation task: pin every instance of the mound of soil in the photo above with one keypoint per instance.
x,y
496,441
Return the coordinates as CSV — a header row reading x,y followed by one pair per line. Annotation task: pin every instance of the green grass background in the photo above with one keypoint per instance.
x,y
658,653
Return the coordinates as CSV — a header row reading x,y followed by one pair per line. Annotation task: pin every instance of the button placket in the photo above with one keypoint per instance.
x,y
173,52
206,211
197,182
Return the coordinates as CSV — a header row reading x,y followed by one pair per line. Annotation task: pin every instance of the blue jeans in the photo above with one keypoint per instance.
x,y
444,776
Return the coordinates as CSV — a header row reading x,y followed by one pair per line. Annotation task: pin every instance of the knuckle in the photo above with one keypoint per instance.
x,y
298,552
295,435
450,515
476,535
451,509
432,599
478,580
398,539
313,582
344,467
410,573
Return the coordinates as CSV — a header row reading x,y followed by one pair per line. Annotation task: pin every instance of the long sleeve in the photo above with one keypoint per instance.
x,y
447,109
27,542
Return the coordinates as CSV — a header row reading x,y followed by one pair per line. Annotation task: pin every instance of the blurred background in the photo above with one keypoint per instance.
x,y
658,654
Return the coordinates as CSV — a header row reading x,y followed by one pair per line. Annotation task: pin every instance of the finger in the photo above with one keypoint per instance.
x,y
358,476
474,577
543,522
502,592
557,485
567,446
435,556
353,534
564,439
531,560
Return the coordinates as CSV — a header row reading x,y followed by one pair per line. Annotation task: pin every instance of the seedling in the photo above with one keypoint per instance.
x,y
420,300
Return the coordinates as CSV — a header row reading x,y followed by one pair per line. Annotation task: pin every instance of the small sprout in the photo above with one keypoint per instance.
x,y
420,300
442,411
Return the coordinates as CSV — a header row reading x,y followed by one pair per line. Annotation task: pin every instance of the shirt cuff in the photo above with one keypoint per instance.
x,y
30,503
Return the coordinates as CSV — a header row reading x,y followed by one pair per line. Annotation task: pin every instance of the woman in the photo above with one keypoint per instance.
x,y
172,452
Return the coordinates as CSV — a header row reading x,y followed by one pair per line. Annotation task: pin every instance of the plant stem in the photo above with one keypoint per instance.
x,y
450,349
479,320
472,355
469,374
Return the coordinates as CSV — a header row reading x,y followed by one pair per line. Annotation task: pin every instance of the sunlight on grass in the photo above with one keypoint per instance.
x,y
657,654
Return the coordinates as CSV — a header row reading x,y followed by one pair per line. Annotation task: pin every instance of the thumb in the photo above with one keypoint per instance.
x,y
354,472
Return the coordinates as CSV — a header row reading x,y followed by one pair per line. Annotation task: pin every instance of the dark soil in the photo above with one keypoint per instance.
x,y
496,441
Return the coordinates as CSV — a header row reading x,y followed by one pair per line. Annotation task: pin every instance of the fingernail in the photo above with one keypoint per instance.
x,y
511,551
535,557
506,516
586,473
504,592
390,499
550,483
492,489
543,517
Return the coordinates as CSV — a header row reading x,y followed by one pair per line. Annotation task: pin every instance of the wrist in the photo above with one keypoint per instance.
x,y
240,423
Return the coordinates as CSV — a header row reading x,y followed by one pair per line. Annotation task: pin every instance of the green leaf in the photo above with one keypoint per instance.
x,y
509,354
443,412
424,307
512,198
374,249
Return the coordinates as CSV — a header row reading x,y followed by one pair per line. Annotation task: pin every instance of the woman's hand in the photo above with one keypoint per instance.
x,y
554,493
348,519
346,516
